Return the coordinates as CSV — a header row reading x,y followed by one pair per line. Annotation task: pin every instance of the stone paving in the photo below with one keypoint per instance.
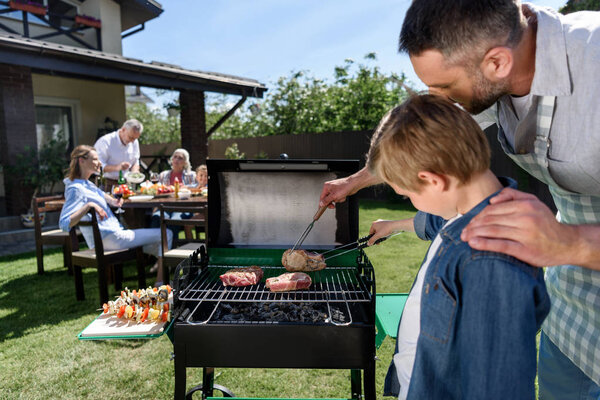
x,y
24,246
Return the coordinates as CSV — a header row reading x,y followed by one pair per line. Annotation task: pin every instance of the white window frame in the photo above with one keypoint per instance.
x,y
73,104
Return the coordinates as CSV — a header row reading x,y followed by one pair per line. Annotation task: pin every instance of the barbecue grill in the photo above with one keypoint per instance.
x,y
256,211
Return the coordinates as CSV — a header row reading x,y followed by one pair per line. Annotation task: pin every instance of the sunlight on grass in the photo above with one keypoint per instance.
x,y
40,319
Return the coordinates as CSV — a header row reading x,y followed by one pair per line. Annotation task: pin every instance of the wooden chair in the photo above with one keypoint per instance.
x,y
181,248
53,236
102,260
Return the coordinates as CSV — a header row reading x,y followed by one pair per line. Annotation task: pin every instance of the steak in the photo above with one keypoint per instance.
x,y
289,281
242,276
302,260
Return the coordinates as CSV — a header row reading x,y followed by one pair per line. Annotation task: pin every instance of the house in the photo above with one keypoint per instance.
x,y
62,70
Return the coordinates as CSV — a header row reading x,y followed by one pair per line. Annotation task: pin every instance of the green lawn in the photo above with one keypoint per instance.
x,y
40,356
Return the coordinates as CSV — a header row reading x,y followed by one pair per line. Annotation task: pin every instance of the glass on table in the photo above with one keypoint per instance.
x,y
154,177
117,192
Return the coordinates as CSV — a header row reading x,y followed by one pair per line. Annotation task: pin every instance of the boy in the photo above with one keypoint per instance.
x,y
469,325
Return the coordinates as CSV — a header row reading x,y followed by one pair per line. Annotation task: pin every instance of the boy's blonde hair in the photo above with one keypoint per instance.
x,y
427,133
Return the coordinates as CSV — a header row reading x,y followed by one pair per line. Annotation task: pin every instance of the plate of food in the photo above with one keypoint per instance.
x,y
141,197
135,177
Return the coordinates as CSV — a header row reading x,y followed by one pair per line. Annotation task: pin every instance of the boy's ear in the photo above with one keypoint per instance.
x,y
497,63
437,181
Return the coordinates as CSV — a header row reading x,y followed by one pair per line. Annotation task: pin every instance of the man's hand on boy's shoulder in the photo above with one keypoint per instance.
x,y
520,225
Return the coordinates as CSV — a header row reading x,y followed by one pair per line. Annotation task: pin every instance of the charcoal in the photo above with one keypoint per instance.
x,y
277,312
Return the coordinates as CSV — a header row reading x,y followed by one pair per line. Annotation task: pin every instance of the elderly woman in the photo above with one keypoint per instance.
x,y
81,196
180,170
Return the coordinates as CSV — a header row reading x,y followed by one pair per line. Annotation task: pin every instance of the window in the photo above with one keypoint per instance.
x,y
56,117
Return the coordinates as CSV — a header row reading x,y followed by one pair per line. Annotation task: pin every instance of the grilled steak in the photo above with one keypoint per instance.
x,y
302,260
289,281
242,276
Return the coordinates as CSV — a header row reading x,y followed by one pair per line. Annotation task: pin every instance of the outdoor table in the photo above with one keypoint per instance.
x,y
136,218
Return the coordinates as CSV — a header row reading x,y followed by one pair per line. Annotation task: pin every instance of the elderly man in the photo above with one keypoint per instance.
x,y
538,71
120,150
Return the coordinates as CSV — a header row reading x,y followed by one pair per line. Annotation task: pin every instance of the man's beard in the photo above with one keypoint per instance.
x,y
485,93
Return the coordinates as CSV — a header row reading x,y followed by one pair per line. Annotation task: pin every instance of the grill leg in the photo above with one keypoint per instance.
x,y
208,381
180,372
355,384
370,382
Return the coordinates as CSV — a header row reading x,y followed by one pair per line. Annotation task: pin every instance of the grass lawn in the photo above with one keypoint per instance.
x,y
40,356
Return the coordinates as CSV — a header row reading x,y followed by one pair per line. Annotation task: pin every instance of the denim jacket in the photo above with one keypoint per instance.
x,y
480,313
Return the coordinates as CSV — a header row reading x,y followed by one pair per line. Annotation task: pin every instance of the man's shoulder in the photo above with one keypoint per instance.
x,y
106,139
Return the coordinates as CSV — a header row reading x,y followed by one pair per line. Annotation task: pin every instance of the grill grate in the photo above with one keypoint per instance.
x,y
332,285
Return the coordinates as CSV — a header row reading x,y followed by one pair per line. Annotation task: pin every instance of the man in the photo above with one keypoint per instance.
x,y
538,71
120,150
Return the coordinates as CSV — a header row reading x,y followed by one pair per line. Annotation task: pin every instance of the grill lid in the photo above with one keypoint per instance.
x,y
268,203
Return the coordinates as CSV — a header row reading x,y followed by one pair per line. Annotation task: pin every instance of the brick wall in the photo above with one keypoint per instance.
x,y
17,129
193,126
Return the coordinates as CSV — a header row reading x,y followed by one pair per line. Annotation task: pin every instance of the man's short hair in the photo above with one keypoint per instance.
x,y
461,28
133,125
427,133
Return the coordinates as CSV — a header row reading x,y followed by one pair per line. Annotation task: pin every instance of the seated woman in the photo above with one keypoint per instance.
x,y
182,171
81,196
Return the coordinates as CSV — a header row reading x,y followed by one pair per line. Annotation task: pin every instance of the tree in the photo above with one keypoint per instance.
x,y
580,5
357,99
158,127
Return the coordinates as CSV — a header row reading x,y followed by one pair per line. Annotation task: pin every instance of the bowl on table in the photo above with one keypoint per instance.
x,y
135,177
184,193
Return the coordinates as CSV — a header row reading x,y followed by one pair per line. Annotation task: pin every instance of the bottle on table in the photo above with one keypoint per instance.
x,y
176,188
121,180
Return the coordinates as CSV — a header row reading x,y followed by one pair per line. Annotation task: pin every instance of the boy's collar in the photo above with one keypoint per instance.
x,y
454,230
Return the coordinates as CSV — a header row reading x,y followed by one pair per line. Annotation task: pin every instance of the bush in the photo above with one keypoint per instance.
x,y
357,99
158,128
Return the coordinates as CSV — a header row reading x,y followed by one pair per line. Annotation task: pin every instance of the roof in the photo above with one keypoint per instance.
x,y
76,62
135,12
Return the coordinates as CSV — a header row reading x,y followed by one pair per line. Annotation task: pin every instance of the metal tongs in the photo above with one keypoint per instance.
x,y
359,244
309,227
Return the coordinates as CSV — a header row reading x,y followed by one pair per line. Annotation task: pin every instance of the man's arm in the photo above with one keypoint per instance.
x,y
135,167
520,225
102,149
338,189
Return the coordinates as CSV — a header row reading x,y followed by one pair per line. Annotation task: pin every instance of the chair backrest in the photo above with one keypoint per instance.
x,y
40,206
199,219
98,246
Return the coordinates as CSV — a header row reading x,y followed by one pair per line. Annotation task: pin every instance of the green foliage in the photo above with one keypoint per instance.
x,y
580,5
357,99
233,153
262,155
158,127
43,168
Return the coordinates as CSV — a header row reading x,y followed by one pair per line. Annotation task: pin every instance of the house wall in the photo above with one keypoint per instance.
x,y
97,100
109,12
